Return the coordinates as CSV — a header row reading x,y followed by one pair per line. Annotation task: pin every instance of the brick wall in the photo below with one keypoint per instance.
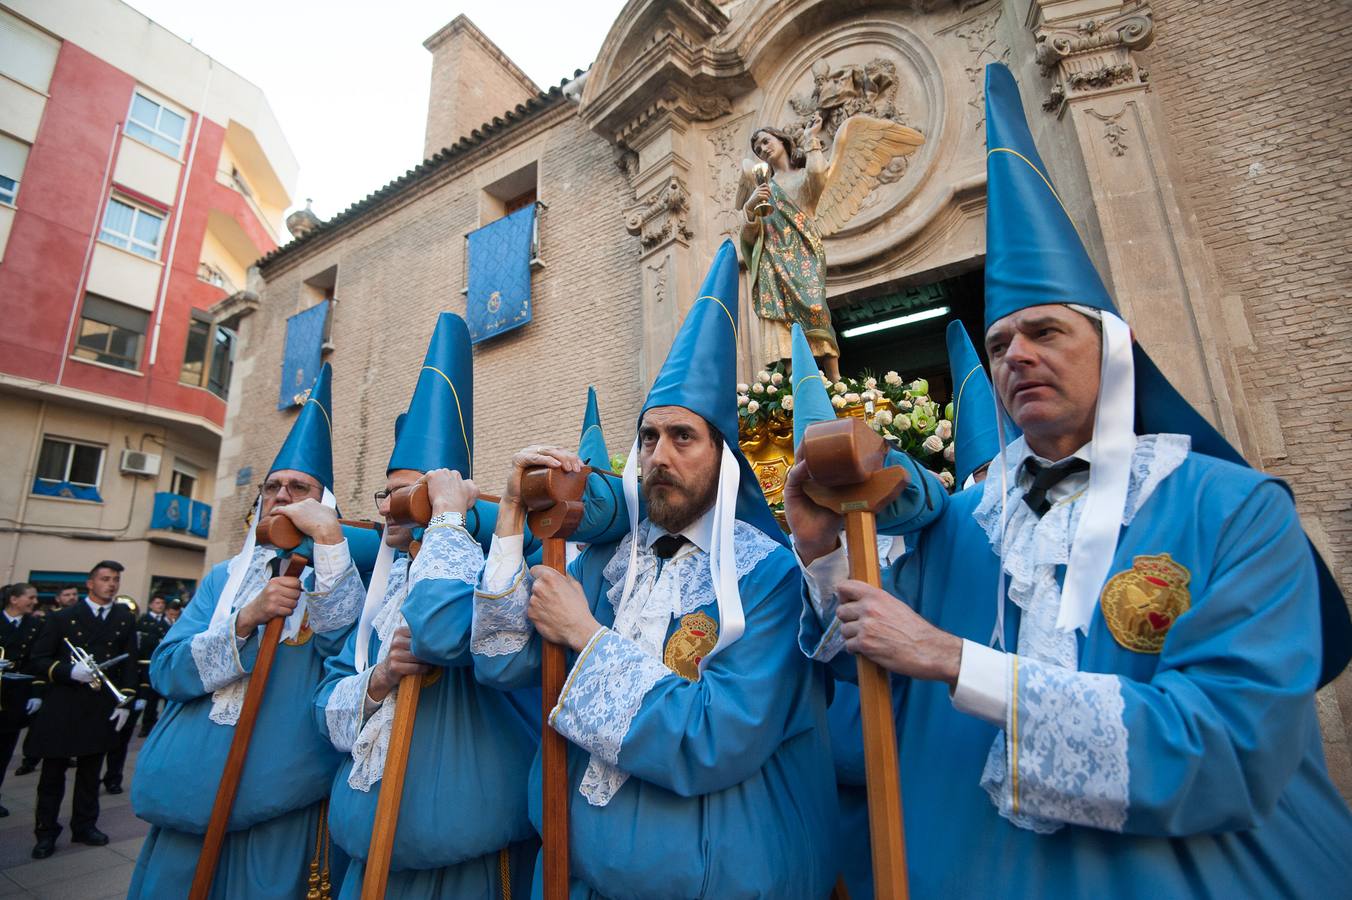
x,y
1255,101
397,271
470,85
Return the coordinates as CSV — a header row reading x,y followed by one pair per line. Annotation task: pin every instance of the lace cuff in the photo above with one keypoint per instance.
x,y
603,693
373,742
336,608
1063,755
345,711
448,552
216,655
500,626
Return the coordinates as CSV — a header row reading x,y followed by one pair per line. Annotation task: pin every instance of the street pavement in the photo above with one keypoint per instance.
x,y
74,871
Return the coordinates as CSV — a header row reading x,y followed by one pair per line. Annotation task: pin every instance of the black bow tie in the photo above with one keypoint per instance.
x,y
667,545
1046,477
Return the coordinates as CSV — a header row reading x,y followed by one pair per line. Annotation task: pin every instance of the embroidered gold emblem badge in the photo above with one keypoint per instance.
x,y
303,636
1141,604
697,635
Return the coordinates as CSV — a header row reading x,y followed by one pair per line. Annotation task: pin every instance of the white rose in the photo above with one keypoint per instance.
x,y
787,403
905,406
946,479
838,401
771,390
742,399
777,378
922,399
763,376
851,397
839,387
933,444
944,429
949,453
758,388
892,378
743,387
902,423
885,417
752,407
867,396
870,382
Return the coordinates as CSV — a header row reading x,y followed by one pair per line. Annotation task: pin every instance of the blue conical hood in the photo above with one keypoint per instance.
x,y
1033,252
976,440
309,446
700,374
1034,256
591,446
438,431
811,403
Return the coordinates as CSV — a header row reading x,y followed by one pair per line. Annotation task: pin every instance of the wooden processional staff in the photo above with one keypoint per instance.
x,y
553,498
844,461
272,531
409,505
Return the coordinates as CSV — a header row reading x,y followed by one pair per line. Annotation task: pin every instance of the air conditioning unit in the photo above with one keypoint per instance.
x,y
134,462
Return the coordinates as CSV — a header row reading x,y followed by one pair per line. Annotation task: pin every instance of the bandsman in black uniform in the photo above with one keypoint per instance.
x,y
67,596
79,718
18,629
152,628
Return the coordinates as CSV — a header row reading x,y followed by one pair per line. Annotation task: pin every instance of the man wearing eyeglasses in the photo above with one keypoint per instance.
x,y
203,667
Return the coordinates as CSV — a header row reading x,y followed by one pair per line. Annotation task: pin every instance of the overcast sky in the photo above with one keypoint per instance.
x,y
348,79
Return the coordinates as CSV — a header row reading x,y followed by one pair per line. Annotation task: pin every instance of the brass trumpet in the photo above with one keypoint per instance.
x,y
101,679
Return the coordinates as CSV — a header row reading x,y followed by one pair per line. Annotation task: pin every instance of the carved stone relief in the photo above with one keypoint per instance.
x,y
727,146
1113,131
662,215
983,46
657,280
1094,54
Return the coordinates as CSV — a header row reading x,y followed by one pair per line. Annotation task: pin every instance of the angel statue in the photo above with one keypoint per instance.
x,y
799,200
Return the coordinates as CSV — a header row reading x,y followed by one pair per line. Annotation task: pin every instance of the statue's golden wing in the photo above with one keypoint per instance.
x,y
863,147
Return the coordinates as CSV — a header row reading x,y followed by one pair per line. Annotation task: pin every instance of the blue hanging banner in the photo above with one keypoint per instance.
x,y
499,275
170,511
201,519
301,358
65,489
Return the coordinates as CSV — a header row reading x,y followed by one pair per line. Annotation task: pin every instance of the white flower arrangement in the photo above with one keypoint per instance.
x,y
743,399
743,387
771,390
852,397
758,388
838,401
787,402
946,479
752,407
933,443
763,376
944,429
777,378
893,379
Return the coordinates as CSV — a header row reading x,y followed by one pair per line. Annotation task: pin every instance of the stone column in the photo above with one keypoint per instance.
x,y
660,163
1159,271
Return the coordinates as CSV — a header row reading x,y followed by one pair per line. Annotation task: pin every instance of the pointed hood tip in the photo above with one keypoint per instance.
x,y
308,446
438,429
975,437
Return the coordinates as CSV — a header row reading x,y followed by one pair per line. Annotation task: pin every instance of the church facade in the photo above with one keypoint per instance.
x,y
1194,147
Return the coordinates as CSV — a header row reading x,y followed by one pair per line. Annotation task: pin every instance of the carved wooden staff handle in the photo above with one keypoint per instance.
x,y
553,500
844,460
239,745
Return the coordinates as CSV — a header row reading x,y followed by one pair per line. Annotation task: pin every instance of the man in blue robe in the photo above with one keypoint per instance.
x,y
202,667
699,763
462,830
1151,731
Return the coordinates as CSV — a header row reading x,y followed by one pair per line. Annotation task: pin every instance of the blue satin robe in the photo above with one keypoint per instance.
x,y
464,799
1227,794
730,793
271,834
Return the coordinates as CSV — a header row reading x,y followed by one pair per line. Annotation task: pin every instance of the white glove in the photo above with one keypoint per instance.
x,y
119,718
139,705
34,704
81,672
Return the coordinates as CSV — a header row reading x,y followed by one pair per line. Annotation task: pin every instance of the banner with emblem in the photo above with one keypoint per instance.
x,y
499,275
302,357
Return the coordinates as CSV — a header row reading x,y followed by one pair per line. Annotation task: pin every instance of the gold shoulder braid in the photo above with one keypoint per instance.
x,y
697,636
1141,604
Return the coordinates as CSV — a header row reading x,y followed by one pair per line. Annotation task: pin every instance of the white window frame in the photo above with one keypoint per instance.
x,y
184,469
9,196
154,128
130,242
70,458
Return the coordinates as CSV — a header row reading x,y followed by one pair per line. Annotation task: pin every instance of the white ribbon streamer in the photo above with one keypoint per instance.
x,y
1095,541
375,598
